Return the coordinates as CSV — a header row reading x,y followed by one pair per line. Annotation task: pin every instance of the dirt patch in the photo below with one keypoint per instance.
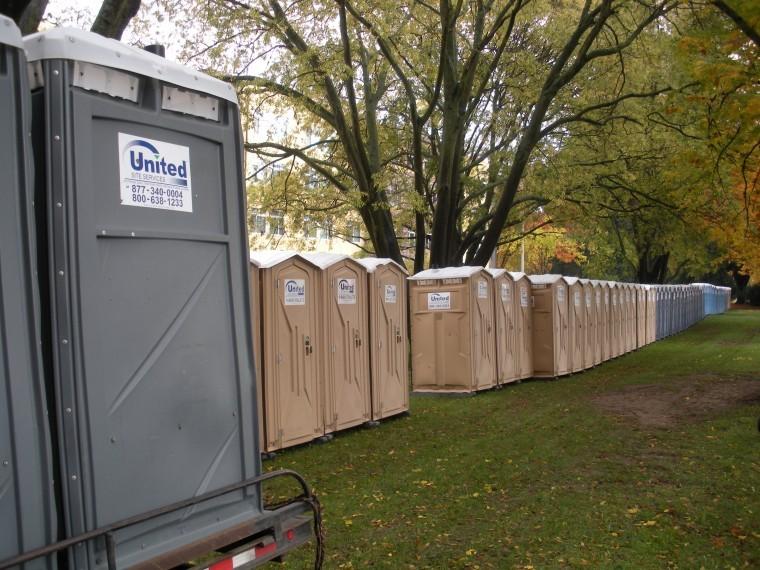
x,y
691,399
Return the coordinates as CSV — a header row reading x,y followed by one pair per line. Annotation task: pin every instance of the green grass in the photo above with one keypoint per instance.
x,y
536,475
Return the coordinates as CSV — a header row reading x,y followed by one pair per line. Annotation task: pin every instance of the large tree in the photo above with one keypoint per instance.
x,y
111,20
440,107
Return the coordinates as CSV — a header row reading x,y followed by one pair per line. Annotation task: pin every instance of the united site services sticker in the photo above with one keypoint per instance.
x,y
154,174
295,292
346,291
390,293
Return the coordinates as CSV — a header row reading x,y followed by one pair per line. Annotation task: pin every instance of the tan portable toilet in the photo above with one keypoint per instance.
x,y
615,320
507,363
576,323
631,305
604,324
453,335
651,314
589,348
597,293
289,321
551,331
388,338
344,346
641,316
623,304
524,318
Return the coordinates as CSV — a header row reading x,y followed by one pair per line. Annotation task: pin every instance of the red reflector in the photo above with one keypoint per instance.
x,y
264,550
291,534
222,565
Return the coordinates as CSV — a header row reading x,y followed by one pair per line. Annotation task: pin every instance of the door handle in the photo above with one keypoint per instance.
x,y
308,347
398,334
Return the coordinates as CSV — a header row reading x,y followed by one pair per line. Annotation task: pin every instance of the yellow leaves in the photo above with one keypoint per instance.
x,y
633,510
647,523
471,552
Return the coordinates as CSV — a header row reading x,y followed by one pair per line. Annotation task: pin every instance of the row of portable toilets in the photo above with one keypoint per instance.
x,y
330,333
475,328
330,338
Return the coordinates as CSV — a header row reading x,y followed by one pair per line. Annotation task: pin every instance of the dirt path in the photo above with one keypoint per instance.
x,y
683,400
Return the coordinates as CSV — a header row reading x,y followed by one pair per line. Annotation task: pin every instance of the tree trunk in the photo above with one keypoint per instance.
x,y
653,270
114,16
27,14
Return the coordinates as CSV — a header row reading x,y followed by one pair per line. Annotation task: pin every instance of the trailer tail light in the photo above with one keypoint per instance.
x,y
290,535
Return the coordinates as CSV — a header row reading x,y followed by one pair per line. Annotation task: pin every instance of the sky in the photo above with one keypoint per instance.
x,y
81,13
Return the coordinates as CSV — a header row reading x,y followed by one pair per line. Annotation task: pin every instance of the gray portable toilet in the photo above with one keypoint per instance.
x,y
139,167
27,507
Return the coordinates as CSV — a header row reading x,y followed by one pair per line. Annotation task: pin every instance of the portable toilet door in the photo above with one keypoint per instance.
x,y
630,313
550,326
621,320
614,320
254,285
576,323
598,307
631,316
589,348
506,334
524,317
626,317
388,337
641,309
149,291
630,324
290,331
453,337
605,321
344,347
28,514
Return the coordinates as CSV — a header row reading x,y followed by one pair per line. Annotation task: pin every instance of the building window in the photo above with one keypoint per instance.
x,y
277,223
310,229
356,234
259,222
325,231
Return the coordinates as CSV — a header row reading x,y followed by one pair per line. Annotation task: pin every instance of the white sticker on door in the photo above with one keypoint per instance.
x,y
588,298
561,294
482,289
506,292
346,289
390,293
523,296
154,174
577,298
295,292
439,301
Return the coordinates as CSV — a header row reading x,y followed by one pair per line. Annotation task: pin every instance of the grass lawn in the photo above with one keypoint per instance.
x,y
649,461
